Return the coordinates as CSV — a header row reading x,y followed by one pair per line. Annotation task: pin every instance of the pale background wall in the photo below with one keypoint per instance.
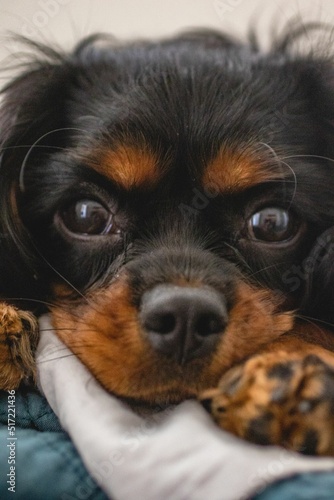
x,y
64,21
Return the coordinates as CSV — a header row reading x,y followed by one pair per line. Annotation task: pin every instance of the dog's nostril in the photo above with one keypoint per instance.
x,y
208,324
161,323
183,322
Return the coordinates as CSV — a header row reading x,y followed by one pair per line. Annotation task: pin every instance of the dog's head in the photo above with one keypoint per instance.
x,y
172,201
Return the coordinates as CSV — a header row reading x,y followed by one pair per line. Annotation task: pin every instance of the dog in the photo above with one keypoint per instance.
x,y
170,203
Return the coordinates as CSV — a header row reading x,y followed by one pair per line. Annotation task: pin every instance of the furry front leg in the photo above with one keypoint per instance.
x,y
281,398
18,341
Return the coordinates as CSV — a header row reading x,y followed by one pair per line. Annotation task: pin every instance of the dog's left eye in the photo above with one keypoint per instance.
x,y
272,225
88,217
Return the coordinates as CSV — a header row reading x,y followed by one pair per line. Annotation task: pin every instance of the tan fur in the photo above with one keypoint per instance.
x,y
127,165
248,392
235,169
105,334
18,341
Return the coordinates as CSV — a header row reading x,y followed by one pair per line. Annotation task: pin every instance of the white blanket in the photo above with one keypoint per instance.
x,y
179,454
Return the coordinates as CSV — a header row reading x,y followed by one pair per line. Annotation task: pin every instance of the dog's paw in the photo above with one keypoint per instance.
x,y
18,341
278,398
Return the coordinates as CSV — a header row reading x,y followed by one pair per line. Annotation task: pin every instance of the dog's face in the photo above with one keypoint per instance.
x,y
164,198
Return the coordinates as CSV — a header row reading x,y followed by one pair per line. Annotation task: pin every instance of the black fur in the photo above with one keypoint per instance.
x,y
185,97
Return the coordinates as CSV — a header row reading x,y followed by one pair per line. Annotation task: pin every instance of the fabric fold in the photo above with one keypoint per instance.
x,y
178,453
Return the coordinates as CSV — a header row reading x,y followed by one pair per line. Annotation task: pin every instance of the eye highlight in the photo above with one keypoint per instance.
x,y
88,218
272,225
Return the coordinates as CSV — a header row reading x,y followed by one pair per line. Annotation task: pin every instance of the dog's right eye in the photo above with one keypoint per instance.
x,y
88,217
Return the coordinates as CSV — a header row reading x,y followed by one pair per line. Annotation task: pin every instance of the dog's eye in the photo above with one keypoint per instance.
x,y
272,225
88,217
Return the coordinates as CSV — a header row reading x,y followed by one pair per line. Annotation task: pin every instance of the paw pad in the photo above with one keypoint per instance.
x,y
278,398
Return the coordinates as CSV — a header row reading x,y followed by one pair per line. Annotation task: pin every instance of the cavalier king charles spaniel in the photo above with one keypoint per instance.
x,y
171,204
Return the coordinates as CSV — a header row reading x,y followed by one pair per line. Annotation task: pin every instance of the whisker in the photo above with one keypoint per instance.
x,y
280,162
314,321
25,160
266,268
56,358
25,146
59,274
238,254
319,157
27,299
75,289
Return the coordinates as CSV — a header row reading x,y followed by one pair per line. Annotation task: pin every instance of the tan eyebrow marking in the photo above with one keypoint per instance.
x,y
129,166
234,170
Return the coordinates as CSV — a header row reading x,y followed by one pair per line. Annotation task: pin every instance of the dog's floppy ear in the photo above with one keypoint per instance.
x,y
318,268
319,272
31,106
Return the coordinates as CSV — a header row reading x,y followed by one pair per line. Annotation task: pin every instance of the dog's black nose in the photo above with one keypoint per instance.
x,y
183,323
